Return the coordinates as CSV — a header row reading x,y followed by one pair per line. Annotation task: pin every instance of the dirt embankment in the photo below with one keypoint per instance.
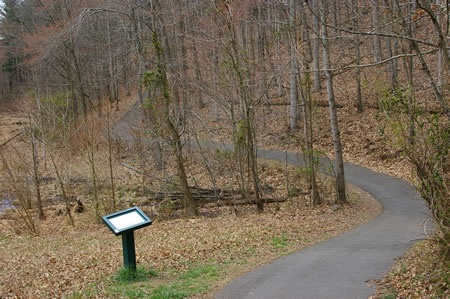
x,y
11,123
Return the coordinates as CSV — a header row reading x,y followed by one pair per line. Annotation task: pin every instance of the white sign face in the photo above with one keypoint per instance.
x,y
127,220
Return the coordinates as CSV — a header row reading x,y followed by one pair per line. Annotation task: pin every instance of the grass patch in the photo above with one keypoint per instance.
x,y
279,242
130,284
194,281
127,290
168,291
127,283
3,237
128,275
209,272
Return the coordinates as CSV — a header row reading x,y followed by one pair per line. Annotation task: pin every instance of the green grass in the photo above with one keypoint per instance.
x,y
123,290
128,275
129,284
3,237
168,291
208,272
279,242
194,281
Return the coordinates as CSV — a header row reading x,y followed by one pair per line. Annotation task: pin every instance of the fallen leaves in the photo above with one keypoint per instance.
x,y
421,273
63,260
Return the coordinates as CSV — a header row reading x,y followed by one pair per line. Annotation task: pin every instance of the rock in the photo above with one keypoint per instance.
x,y
335,208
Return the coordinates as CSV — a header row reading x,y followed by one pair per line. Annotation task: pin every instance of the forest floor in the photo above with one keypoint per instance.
x,y
213,249
11,123
65,260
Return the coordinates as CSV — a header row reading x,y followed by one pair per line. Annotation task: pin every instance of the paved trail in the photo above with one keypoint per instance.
x,y
340,267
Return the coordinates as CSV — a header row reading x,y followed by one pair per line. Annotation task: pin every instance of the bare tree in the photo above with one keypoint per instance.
x,y
357,43
160,103
376,39
316,45
293,93
339,162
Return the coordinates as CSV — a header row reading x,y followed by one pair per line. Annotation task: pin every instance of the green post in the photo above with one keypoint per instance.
x,y
129,254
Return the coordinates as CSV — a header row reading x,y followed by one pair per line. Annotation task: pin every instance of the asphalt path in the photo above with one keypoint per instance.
x,y
343,266
340,267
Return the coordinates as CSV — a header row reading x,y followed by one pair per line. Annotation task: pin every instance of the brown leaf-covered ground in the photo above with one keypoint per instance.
x,y
422,273
83,261
63,260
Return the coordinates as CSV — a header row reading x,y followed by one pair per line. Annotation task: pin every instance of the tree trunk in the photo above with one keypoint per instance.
x,y
110,162
198,77
168,119
246,109
316,46
62,187
305,89
37,180
393,71
443,52
355,21
293,94
137,32
376,39
334,10
308,48
339,163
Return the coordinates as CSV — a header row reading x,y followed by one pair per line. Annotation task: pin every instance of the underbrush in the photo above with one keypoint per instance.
x,y
179,257
422,273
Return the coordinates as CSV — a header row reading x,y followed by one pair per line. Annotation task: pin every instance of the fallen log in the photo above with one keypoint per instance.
x,y
318,104
178,205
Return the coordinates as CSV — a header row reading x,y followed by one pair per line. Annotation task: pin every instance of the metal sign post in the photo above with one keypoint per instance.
x,y
129,254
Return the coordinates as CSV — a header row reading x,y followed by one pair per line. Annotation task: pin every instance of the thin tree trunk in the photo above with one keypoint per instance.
x,y
316,46
62,187
335,16
293,94
246,112
175,140
308,48
442,85
110,162
359,105
339,163
137,32
37,181
278,56
308,133
392,63
198,77
376,39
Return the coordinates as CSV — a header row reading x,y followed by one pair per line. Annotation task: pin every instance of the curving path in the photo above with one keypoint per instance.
x,y
341,267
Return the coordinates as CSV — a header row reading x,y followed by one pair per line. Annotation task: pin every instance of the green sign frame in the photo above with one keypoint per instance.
x,y
125,223
111,220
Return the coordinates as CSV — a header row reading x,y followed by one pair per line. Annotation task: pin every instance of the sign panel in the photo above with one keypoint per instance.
x,y
126,220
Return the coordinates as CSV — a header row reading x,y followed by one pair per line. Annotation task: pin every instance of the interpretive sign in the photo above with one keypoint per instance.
x,y
125,223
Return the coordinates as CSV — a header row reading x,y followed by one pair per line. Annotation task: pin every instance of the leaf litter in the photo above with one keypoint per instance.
x,y
63,260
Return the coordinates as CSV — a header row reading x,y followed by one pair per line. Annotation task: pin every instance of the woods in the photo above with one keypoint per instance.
x,y
208,78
